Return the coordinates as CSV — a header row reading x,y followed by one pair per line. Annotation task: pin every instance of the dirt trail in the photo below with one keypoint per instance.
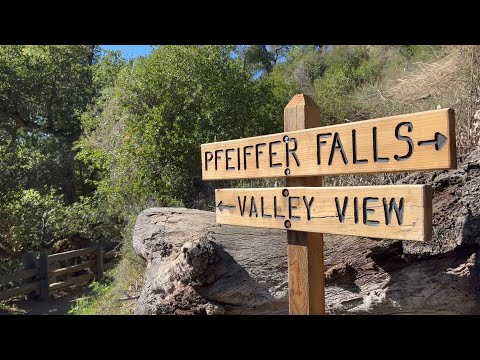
x,y
59,304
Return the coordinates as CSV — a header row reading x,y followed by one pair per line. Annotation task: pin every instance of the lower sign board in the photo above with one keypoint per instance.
x,y
402,212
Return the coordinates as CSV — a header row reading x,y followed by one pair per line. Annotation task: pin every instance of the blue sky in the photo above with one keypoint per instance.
x,y
130,51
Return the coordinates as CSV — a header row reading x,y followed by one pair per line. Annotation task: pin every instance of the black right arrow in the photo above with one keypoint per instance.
x,y
439,141
221,206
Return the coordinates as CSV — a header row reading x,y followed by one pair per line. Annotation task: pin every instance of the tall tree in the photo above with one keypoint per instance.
x,y
147,133
262,58
43,91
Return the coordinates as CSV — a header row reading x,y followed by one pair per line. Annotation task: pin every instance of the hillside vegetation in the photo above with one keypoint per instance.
x,y
89,139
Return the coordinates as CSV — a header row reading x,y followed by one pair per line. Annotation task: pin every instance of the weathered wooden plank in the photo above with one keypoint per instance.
x,y
73,281
18,275
306,280
100,264
30,262
52,278
70,254
72,269
44,280
411,142
20,290
391,211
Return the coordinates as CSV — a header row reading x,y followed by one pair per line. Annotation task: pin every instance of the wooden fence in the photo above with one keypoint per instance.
x,y
54,272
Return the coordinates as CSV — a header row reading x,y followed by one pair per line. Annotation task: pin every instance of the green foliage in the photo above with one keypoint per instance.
x,y
418,52
87,305
106,69
262,58
47,195
306,64
86,220
43,91
118,292
160,110
33,221
334,76
88,140
347,68
28,220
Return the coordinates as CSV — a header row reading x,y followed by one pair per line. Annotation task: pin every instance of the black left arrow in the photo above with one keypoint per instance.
x,y
439,141
221,206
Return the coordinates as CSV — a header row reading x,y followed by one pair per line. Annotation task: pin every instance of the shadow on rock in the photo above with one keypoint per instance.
x,y
236,291
342,275
202,279
441,284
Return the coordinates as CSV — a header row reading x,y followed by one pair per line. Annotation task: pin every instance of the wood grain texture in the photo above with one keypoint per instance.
x,y
453,143
363,276
73,281
412,142
306,280
70,254
72,269
20,290
377,212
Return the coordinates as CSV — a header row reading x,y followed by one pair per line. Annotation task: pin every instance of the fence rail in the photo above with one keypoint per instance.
x,y
42,274
70,254
18,275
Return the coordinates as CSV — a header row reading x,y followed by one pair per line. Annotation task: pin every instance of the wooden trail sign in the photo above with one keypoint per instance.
x,y
306,280
419,141
305,152
402,212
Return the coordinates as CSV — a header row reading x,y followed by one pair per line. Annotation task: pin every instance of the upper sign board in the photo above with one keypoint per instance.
x,y
412,142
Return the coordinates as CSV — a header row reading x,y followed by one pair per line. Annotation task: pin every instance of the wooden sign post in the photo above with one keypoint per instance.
x,y
304,153
306,279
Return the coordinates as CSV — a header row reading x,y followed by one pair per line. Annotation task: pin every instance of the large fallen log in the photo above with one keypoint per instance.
x,y
197,267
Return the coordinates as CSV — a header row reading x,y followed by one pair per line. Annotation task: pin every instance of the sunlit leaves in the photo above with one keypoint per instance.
x,y
163,107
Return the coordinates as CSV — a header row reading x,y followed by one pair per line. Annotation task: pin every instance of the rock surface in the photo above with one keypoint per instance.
x,y
197,267
456,206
